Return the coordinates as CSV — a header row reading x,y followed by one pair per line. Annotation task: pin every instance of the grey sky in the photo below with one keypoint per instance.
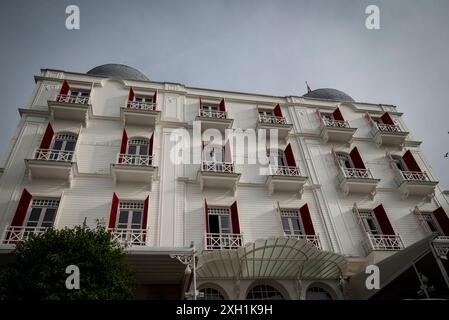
x,y
256,46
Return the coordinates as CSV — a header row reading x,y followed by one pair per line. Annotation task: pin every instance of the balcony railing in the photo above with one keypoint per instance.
x,y
55,155
135,159
411,176
216,114
13,234
271,119
212,166
139,105
355,173
335,123
388,127
314,239
382,242
129,237
284,171
72,99
223,241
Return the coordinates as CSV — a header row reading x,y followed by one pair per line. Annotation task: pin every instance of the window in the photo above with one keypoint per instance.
x,y
65,142
377,120
317,293
130,215
399,163
79,93
277,158
42,213
268,113
345,160
369,221
214,153
219,220
430,223
264,292
327,116
143,99
210,294
291,222
210,107
138,147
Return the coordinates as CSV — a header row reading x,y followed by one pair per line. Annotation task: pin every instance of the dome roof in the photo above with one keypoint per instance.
x,y
329,94
120,71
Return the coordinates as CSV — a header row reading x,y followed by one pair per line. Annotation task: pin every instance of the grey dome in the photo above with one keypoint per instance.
x,y
118,71
329,94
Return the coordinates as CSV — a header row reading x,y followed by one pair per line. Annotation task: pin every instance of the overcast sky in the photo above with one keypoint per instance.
x,y
257,46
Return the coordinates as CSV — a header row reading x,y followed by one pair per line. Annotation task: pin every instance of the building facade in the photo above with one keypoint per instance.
x,y
346,185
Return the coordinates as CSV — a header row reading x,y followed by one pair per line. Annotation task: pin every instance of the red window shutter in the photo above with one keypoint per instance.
x,y
150,147
124,142
442,219
113,214
146,205
222,105
206,214
410,162
235,218
289,156
47,138
65,88
337,115
386,119
227,152
306,220
357,159
383,220
22,209
131,94
277,111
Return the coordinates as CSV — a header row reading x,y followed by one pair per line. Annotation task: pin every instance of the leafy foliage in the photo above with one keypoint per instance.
x,y
40,261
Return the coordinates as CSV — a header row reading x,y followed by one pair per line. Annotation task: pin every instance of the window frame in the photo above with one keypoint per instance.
x,y
53,203
131,207
290,214
219,211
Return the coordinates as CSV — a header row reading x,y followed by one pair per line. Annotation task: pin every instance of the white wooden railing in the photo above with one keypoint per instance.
x,y
223,241
13,234
72,99
134,159
388,127
271,119
212,166
213,114
139,105
50,154
284,171
335,123
354,173
382,242
129,237
314,239
411,176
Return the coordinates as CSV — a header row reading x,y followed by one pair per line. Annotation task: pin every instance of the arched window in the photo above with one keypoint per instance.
x,y
317,293
210,294
264,292
138,146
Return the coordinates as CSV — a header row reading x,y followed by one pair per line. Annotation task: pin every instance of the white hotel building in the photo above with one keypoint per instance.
x,y
348,186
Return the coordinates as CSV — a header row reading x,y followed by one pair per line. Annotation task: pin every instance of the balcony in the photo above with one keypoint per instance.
x,y
223,241
380,242
140,113
386,134
136,169
14,234
285,179
214,119
272,122
336,131
314,239
220,175
353,180
414,183
441,245
51,164
67,107
129,237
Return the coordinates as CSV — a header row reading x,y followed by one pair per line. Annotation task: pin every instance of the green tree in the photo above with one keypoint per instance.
x,y
38,267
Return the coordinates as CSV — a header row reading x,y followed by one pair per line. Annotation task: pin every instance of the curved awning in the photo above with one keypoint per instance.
x,y
276,258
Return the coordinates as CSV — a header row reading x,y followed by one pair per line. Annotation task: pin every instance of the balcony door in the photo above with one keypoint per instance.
x,y
130,215
219,220
291,223
277,158
63,146
267,116
143,99
399,163
42,214
431,224
137,152
370,223
345,160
